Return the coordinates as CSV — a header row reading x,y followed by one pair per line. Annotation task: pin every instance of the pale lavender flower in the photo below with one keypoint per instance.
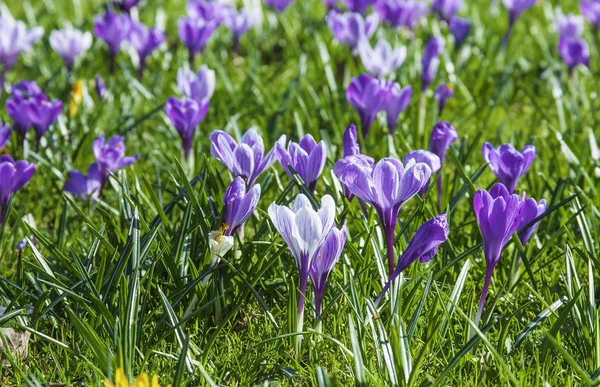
x,y
15,39
323,263
13,176
426,157
69,43
367,96
199,86
590,9
307,158
351,28
507,163
185,115
569,26
239,23
430,60
381,60
396,102
402,13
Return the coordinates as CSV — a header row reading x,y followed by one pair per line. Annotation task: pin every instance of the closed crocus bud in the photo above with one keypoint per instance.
x,y
199,86
402,13
194,33
507,163
442,135
590,9
307,158
110,156
531,211
13,176
15,39
460,29
367,96
239,204
185,115
396,102
352,155
360,6
381,60
351,28
69,43
144,41
574,52
423,156
442,93
430,61
446,9
114,30
279,5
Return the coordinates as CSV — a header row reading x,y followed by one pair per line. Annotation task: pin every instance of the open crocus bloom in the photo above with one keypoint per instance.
x,y
507,163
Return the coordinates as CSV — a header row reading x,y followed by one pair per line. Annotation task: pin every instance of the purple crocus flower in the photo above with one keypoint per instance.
x,y
396,102
442,93
499,215
352,155
4,134
307,158
13,176
194,33
110,156
199,86
70,43
507,163
402,13
144,41
207,10
239,23
424,245
381,60
127,5
446,9
82,186
351,28
427,157
387,186
515,9
323,263
330,4
43,113
359,6
442,135
23,94
185,115
239,204
114,30
245,159
574,52
531,211
279,5
100,86
459,28
304,230
430,60
569,26
367,96
590,9
15,39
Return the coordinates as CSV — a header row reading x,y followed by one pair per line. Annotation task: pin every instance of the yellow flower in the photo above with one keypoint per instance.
x,y
142,381
76,98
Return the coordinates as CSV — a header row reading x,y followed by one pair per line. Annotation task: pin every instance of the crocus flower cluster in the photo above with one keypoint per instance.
x,y
144,41
114,30
402,13
307,158
507,163
431,60
69,43
571,46
13,176
15,39
381,60
29,107
590,9
351,28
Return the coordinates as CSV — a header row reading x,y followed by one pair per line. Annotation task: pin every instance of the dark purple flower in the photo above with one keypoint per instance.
x,y
574,52
43,113
459,28
194,33
13,176
446,9
126,5
367,96
499,215
110,156
387,186
424,245
442,135
507,163
381,60
185,115
430,60
352,155
15,39
531,211
396,102
114,30
326,257
351,28
70,43
4,134
423,156
402,13
144,41
199,86
82,186
442,93
247,158
100,86
238,204
307,158
359,6
207,10
516,8
590,9
279,5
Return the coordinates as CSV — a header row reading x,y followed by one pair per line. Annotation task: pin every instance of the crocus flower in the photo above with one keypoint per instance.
x,y
387,187
396,102
531,211
442,135
218,245
304,230
239,23
423,156
590,9
207,10
402,13
114,30
351,28
279,5
574,52
199,86
569,26
424,245
307,158
100,86
323,263
43,113
382,59
15,39
13,176
330,4
359,6
499,215
82,186
70,43
507,163
239,204
459,28
185,115
4,134
194,33
245,159
515,9
23,94
352,154
127,5
446,9
430,60
442,93
144,41
110,156
367,96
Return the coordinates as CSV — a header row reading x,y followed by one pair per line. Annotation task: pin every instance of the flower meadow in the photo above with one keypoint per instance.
x,y
299,193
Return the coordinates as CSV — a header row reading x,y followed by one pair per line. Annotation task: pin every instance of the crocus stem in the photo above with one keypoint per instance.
x,y
192,59
300,319
111,63
484,292
389,239
140,70
421,124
